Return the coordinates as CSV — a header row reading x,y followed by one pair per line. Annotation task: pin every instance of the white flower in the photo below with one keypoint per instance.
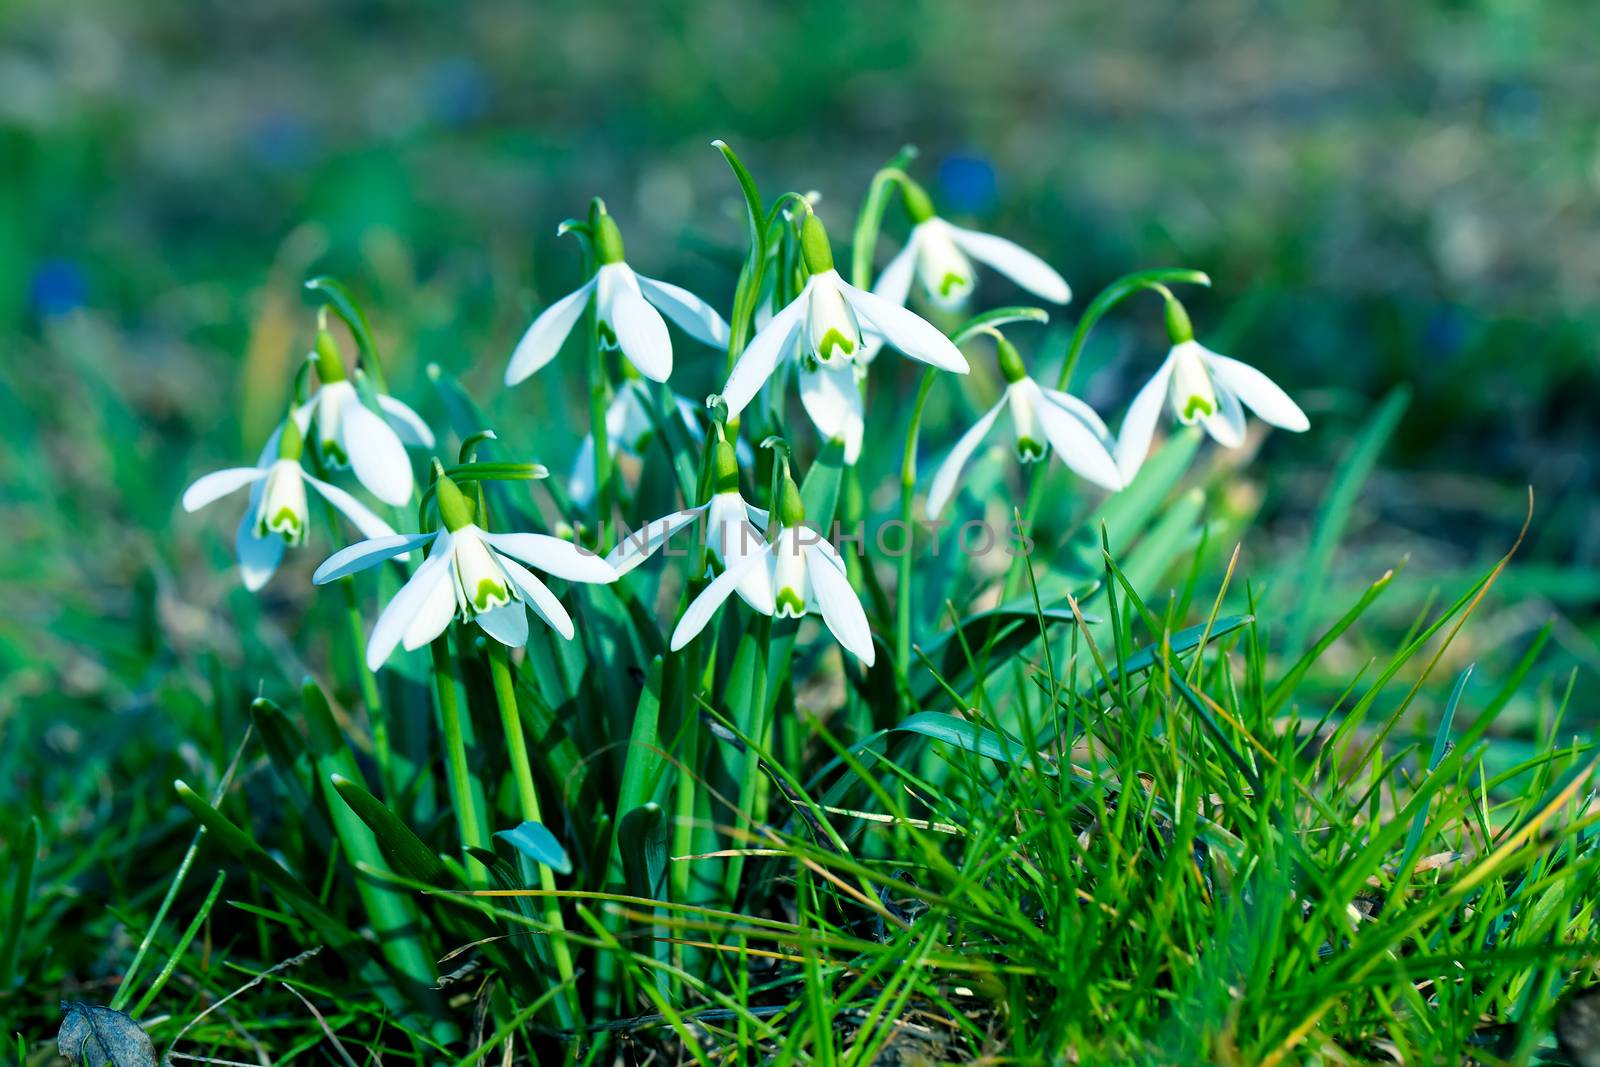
x,y
470,574
831,396
939,255
277,514
1040,417
349,435
797,573
826,319
623,313
1201,386
629,428
732,531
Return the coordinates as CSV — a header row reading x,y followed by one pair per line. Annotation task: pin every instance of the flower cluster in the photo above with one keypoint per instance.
x,y
794,316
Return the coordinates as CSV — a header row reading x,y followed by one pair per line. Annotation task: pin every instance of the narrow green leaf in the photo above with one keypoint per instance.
x,y
972,737
534,840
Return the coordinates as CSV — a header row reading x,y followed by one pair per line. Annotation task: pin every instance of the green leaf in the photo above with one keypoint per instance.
x,y
642,841
820,490
973,738
1333,517
20,861
994,637
534,840
402,848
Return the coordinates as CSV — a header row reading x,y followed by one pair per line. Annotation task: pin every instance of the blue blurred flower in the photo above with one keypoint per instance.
x,y
967,185
58,286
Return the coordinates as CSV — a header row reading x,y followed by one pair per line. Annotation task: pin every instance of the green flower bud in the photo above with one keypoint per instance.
x,y
455,510
330,365
1179,328
291,442
1010,360
607,239
724,466
791,508
814,246
918,204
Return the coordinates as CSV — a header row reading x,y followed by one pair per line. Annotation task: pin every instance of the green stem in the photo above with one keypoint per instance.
x,y
908,488
465,803
598,400
377,716
505,694
870,219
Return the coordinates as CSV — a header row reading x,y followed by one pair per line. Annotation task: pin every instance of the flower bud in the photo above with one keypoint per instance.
x,y
791,508
1010,360
1179,328
814,246
291,442
455,510
918,204
724,466
330,365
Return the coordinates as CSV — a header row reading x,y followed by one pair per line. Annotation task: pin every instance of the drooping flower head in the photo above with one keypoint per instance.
x,y
1202,387
349,435
794,574
822,326
939,256
469,574
628,310
277,516
1041,419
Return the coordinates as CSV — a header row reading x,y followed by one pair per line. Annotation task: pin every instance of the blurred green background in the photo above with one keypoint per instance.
x,y
1385,195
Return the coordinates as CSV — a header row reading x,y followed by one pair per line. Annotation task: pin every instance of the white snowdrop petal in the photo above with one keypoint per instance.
x,y
543,339
894,284
697,318
1226,425
636,546
641,333
218,484
539,598
258,556
361,516
1075,442
406,422
376,455
761,358
1139,424
581,482
556,557
905,330
944,481
839,606
1258,393
359,557
432,616
1015,262
507,624
699,612
832,398
396,619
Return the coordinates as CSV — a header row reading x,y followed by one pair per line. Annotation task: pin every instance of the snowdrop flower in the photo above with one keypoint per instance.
x,y
826,319
629,428
349,435
469,574
733,530
1040,418
624,313
1202,387
277,513
939,256
801,572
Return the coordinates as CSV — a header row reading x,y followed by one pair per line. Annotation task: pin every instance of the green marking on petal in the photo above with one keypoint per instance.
x,y
490,592
1199,403
790,604
831,340
1029,450
608,336
950,283
333,455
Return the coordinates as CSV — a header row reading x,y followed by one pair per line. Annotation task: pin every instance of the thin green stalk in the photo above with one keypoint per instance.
x,y
371,696
598,401
908,489
463,797
505,694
